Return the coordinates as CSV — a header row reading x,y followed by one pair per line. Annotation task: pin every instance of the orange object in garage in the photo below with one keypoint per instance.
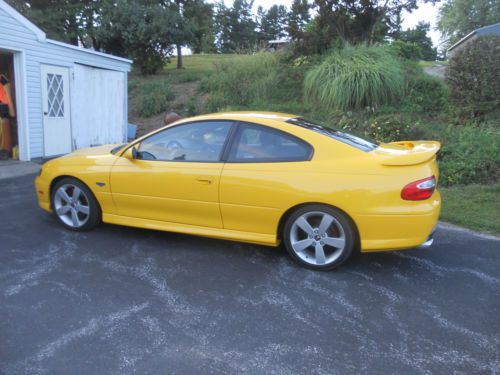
x,y
5,135
6,111
5,97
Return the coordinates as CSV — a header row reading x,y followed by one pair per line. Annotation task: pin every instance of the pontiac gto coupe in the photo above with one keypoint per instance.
x,y
263,178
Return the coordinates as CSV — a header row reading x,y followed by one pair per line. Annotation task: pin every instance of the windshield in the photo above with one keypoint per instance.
x,y
352,140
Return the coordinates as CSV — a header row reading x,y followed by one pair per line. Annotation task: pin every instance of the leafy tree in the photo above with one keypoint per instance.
x,y
235,27
272,23
457,18
298,18
200,14
59,19
184,28
406,50
418,36
358,21
145,32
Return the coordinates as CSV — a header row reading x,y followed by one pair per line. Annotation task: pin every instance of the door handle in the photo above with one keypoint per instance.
x,y
204,180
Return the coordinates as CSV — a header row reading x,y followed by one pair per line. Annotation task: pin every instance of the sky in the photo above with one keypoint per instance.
x,y
425,12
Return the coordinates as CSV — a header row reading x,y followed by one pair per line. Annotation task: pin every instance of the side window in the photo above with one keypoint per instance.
x,y
195,142
256,143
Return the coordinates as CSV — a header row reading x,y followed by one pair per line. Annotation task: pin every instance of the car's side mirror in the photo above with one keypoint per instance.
x,y
131,153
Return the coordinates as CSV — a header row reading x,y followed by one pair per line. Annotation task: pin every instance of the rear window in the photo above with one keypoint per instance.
x,y
352,140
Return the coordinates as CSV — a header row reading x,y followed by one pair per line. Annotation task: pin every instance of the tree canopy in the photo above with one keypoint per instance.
x,y
457,18
418,36
149,31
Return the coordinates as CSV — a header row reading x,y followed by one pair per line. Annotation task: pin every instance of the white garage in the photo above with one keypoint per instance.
x,y
60,97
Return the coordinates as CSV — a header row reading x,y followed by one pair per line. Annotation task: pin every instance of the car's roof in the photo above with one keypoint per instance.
x,y
245,116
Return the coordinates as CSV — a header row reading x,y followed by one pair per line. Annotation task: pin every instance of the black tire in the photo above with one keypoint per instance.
x,y
85,199
336,256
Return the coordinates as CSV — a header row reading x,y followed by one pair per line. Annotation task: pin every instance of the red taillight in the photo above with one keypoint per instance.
x,y
419,190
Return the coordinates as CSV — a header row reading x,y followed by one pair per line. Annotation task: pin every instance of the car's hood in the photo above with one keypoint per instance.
x,y
92,151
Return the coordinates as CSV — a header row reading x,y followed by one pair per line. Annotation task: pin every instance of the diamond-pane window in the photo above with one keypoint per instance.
x,y
55,95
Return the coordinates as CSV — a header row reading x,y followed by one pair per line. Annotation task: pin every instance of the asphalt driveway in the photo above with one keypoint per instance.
x,y
121,300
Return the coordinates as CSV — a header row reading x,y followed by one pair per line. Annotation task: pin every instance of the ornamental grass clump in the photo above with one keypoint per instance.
x,y
243,80
355,77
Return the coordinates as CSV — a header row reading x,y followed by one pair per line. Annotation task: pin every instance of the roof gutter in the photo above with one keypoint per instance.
x,y
468,36
86,50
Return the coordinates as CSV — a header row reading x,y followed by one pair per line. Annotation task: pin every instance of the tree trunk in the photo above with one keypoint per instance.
x,y
95,44
179,57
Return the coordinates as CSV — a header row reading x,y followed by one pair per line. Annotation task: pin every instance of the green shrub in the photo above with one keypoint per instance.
x,y
254,81
132,85
424,94
469,154
406,50
354,78
388,128
153,98
473,75
192,109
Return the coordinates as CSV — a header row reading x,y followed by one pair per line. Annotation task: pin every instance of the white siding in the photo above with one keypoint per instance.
x,y
16,36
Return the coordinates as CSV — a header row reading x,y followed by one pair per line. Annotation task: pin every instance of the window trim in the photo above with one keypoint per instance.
x,y
232,126
240,127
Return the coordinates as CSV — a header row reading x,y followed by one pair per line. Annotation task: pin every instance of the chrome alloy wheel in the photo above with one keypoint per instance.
x,y
71,205
317,238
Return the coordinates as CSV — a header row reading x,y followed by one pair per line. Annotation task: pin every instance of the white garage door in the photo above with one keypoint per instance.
x,y
99,106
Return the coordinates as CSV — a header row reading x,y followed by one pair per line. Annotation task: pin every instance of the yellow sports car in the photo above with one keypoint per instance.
x,y
263,178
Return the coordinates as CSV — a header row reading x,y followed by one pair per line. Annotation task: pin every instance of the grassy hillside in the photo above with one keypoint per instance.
x,y
147,102
210,83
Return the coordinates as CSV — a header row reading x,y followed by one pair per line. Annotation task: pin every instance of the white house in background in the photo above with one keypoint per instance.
x,y
66,97
482,31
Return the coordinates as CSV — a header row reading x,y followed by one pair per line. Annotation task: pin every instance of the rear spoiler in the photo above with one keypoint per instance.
x,y
407,153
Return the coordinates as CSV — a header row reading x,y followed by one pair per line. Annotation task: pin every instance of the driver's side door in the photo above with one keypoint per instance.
x,y
175,175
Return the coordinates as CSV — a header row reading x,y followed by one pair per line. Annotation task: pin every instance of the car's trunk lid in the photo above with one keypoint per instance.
x,y
407,152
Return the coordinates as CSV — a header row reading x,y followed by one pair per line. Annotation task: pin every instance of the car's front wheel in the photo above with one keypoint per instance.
x,y
74,205
319,237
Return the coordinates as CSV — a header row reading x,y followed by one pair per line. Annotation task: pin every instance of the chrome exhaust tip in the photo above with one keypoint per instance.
x,y
429,241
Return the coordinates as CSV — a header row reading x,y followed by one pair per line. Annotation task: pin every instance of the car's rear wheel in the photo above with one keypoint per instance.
x,y
319,237
74,205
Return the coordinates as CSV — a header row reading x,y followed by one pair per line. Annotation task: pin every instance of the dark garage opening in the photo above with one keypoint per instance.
x,y
8,114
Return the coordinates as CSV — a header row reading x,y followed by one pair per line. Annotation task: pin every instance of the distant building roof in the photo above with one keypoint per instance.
x,y
486,30
280,41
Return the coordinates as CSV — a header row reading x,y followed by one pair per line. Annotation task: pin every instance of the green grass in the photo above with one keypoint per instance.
x,y
473,206
196,67
201,64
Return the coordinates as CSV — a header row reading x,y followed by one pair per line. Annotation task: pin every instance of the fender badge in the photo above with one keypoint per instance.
x,y
100,184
